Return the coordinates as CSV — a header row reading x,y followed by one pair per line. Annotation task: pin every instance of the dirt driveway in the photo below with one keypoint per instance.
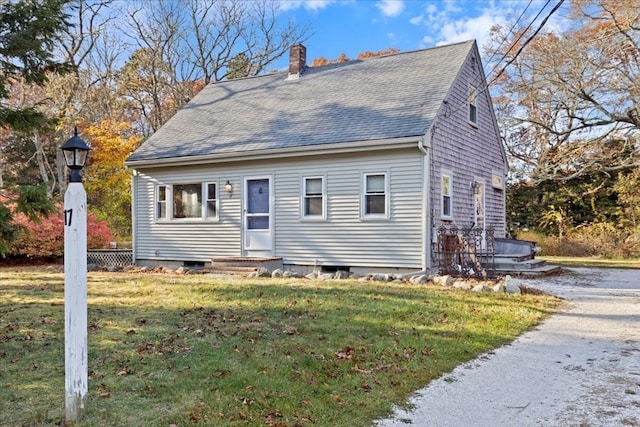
x,y
581,367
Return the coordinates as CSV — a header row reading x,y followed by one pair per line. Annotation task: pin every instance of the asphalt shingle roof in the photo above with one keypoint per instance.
x,y
363,100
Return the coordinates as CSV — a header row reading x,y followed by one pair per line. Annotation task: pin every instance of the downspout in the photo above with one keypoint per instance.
x,y
134,198
426,201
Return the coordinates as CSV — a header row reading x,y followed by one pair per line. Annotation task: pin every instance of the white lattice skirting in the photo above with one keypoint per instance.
x,y
120,257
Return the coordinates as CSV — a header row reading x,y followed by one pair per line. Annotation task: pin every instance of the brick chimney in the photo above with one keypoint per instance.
x,y
297,60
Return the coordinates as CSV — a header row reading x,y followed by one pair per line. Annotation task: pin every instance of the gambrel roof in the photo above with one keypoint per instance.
x,y
380,98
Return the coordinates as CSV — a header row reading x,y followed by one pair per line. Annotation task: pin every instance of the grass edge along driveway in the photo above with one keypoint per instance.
x,y
218,350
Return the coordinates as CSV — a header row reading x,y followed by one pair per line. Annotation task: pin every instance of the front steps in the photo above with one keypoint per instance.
x,y
522,265
242,265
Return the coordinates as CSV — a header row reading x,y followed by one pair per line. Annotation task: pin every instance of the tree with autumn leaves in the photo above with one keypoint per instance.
x,y
569,108
115,90
106,181
566,100
569,103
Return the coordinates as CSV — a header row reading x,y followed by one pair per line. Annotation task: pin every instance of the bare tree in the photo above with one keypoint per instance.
x,y
568,103
191,43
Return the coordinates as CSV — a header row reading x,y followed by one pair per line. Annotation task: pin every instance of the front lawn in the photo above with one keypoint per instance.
x,y
217,350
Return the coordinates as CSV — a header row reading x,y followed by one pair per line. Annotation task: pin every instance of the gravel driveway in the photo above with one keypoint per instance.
x,y
581,367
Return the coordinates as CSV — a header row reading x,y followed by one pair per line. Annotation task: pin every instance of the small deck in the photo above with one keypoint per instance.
x,y
472,252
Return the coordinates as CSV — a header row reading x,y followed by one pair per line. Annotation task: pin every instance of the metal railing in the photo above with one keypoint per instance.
x,y
466,251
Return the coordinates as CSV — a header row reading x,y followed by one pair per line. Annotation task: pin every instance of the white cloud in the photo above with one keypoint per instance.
x,y
427,41
452,22
470,28
314,5
390,8
417,20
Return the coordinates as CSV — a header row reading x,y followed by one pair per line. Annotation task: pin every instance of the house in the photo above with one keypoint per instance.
x,y
349,166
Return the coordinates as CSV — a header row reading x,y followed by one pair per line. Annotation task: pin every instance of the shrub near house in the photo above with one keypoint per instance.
x,y
45,239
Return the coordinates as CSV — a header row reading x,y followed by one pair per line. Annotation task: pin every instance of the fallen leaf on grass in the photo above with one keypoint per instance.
x,y
345,354
289,330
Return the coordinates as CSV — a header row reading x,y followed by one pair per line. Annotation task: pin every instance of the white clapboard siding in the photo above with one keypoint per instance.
x,y
343,239
189,240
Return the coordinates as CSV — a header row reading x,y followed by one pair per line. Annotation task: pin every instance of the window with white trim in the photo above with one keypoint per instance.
x,y
375,195
447,195
211,189
473,107
196,201
313,197
161,202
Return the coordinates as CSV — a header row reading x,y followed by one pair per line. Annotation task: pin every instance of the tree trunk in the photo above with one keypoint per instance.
x,y
48,177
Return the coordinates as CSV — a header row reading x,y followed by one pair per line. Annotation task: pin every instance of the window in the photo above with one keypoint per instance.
x,y
313,197
187,201
473,108
375,195
447,187
212,200
161,202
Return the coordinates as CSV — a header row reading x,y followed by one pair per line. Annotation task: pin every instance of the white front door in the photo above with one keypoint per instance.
x,y
257,221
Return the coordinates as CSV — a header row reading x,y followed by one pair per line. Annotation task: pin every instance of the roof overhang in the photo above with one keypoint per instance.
x,y
279,153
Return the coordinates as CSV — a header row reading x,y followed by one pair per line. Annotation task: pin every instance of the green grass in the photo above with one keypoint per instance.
x,y
224,351
595,262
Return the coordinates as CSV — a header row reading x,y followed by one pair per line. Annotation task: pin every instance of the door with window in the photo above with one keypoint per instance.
x,y
257,221
479,211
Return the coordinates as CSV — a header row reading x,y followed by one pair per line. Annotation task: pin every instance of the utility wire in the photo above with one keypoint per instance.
x,y
544,21
510,31
542,24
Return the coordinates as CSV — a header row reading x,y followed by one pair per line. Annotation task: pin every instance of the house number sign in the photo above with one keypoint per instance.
x,y
68,214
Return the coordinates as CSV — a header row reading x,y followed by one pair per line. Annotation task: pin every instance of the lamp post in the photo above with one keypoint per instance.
x,y
75,152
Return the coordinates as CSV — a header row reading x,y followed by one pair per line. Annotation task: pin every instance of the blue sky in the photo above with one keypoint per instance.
x,y
355,26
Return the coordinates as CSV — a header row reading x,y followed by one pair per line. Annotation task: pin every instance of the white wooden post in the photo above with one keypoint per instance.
x,y
75,301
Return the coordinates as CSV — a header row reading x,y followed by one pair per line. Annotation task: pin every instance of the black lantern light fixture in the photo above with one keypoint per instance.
x,y
75,152
228,187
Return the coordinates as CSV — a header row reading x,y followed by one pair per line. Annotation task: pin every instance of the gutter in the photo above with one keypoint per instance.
x,y
278,153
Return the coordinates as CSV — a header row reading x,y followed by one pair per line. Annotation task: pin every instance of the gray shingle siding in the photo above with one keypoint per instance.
x,y
469,152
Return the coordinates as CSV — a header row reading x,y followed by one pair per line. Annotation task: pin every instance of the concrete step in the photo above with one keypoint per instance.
x,y
528,264
242,265
520,265
514,258
538,271
230,270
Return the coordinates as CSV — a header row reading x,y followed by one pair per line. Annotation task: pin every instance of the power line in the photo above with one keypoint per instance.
x,y
510,31
544,21
542,24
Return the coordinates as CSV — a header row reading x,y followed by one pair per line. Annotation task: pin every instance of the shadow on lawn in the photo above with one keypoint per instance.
x,y
159,345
